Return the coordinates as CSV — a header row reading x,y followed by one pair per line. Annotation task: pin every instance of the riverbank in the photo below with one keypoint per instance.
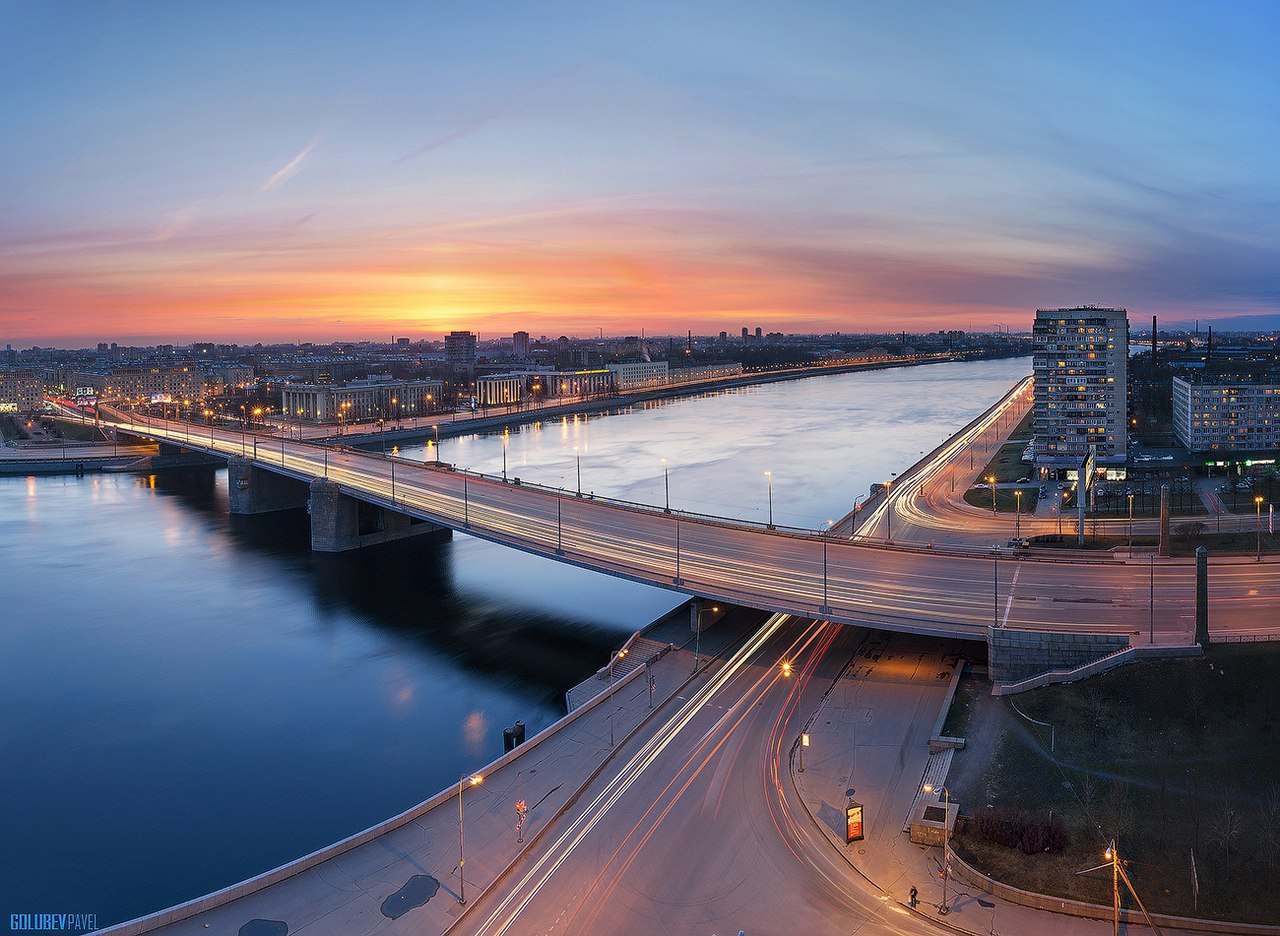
x,y
404,863
439,426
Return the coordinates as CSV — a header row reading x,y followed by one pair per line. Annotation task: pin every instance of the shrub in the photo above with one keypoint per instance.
x,y
1016,829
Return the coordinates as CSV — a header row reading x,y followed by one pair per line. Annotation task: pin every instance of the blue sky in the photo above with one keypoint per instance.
x,y
322,170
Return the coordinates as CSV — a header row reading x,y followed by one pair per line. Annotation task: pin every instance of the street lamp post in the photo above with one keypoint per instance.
x,y
1017,528
697,637
1113,856
666,483
1258,503
991,479
1130,523
578,456
677,580
826,603
888,509
505,439
769,476
436,427
613,661
995,587
1151,611
559,528
474,780
944,908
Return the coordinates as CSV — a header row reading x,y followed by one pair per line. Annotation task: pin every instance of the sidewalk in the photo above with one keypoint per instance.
x,y
871,734
413,865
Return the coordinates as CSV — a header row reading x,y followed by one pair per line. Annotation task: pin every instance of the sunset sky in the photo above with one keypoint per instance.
x,y
173,171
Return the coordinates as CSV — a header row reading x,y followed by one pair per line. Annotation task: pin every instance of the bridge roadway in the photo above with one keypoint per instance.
x,y
950,592
928,505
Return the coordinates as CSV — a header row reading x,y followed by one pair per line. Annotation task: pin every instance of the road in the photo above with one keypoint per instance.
x,y
919,590
927,506
698,829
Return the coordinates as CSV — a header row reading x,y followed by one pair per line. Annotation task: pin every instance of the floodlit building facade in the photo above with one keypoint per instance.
x,y
632,374
500,389
1081,384
360,399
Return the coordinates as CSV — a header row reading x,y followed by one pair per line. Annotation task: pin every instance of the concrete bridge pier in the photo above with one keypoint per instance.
x,y
253,490
340,522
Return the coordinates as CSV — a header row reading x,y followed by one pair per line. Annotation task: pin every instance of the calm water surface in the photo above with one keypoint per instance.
x,y
187,698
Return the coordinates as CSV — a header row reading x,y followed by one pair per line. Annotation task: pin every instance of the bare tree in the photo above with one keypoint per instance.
x,y
1228,821
1269,825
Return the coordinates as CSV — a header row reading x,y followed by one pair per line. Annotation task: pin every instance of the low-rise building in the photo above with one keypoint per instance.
x,y
683,375
373,398
183,382
500,389
1213,414
632,375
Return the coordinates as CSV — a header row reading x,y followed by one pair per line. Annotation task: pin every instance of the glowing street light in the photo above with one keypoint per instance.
x,y
991,480
697,636
944,908
473,780
1258,503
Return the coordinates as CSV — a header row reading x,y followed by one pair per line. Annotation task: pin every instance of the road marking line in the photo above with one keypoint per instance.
x,y
1009,604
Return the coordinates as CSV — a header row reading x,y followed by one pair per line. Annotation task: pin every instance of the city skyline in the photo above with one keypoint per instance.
x,y
310,174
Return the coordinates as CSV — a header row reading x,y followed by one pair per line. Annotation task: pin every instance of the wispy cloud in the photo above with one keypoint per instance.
x,y
287,171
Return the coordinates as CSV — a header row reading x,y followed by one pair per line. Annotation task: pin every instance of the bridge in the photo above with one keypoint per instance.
x,y
358,498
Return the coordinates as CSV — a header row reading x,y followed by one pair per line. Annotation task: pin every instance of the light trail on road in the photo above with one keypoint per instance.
x,y
503,918
941,592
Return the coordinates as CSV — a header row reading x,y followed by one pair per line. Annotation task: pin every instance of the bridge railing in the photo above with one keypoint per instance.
x,y
807,534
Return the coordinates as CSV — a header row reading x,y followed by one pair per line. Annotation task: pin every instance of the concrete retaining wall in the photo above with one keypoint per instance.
x,y
1015,655
266,879
938,741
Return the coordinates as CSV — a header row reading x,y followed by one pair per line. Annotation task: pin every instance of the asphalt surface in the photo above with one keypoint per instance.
x,y
918,590
699,829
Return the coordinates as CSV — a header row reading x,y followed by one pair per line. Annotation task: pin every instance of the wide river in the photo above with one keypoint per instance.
x,y
187,698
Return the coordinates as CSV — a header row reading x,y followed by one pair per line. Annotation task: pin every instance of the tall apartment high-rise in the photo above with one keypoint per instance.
x,y
520,344
460,351
1081,359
